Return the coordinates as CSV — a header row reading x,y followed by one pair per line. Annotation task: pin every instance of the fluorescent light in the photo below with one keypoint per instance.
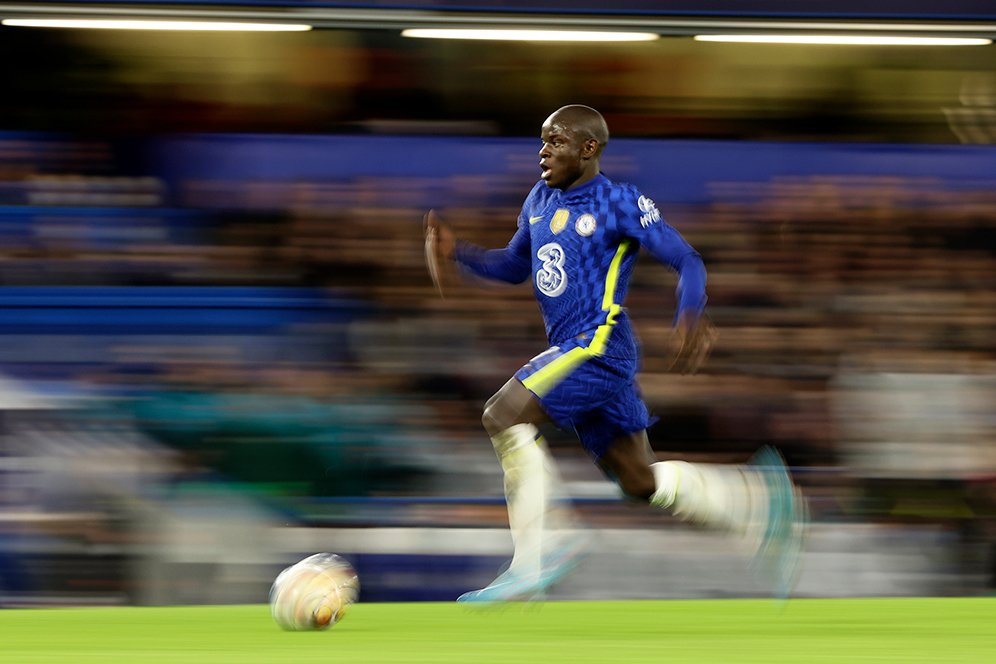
x,y
866,40
120,24
530,35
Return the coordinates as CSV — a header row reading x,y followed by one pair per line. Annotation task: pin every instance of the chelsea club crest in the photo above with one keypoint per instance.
x,y
585,225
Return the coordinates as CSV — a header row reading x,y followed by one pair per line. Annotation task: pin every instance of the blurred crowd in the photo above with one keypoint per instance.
x,y
823,287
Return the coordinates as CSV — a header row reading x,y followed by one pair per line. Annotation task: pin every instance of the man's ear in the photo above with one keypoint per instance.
x,y
590,148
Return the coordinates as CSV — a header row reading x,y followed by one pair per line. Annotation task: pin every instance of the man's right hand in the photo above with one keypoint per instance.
x,y
440,244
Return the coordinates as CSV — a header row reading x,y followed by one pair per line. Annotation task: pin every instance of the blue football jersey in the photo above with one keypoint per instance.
x,y
579,248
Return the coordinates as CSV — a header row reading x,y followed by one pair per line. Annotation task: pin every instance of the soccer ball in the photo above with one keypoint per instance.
x,y
315,593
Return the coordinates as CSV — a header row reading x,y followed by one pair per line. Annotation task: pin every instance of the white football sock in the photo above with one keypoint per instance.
x,y
531,487
730,498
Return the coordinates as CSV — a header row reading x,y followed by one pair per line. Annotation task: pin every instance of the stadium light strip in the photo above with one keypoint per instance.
x,y
860,40
122,24
529,35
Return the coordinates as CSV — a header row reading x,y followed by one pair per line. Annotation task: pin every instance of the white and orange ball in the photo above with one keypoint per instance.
x,y
315,593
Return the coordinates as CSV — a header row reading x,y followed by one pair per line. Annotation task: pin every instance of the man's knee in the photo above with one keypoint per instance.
x,y
635,479
511,405
638,484
489,421
627,461
492,418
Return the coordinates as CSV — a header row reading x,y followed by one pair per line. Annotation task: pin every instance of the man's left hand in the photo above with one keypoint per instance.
x,y
691,341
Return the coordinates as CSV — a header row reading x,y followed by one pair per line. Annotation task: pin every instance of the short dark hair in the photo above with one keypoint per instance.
x,y
585,120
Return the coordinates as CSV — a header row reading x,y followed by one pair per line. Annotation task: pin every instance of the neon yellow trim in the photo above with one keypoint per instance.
x,y
544,380
612,278
601,339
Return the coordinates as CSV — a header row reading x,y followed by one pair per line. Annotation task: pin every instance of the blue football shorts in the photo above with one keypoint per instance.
x,y
595,396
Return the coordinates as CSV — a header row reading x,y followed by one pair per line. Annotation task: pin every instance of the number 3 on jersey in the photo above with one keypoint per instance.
x,y
551,280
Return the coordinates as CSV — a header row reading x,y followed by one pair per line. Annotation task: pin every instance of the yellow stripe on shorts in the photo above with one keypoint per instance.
x,y
547,378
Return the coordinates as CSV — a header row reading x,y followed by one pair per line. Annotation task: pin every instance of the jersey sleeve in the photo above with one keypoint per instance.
x,y
637,217
511,264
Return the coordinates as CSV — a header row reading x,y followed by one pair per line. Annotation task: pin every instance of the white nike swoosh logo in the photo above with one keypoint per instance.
x,y
533,220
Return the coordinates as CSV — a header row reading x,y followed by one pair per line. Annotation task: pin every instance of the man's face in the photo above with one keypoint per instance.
x,y
562,156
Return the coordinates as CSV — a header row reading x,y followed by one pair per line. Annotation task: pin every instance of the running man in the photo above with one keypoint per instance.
x,y
578,237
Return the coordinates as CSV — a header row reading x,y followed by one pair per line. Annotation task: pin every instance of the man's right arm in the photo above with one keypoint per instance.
x,y
514,263
511,264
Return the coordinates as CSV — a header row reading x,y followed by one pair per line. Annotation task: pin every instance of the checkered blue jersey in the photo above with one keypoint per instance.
x,y
580,247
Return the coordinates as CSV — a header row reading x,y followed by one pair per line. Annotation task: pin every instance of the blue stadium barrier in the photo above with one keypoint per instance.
x,y
671,171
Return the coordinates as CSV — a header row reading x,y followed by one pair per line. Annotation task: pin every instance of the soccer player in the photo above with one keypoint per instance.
x,y
577,240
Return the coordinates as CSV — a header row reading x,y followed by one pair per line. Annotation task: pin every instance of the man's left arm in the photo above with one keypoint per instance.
x,y
693,334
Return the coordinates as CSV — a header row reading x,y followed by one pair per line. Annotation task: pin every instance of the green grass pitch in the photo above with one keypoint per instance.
x,y
940,631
